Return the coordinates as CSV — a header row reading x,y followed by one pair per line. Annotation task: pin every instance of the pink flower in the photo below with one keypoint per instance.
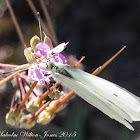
x,y
37,71
44,50
59,58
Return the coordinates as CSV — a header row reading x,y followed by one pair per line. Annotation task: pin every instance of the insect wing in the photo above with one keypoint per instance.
x,y
94,99
122,98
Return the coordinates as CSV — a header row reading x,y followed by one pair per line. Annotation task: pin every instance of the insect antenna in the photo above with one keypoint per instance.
x,y
39,21
9,72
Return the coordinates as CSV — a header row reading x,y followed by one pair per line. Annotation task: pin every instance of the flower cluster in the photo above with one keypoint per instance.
x,y
39,110
42,51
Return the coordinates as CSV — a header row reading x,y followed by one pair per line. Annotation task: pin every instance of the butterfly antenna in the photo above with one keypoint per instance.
x,y
39,21
9,72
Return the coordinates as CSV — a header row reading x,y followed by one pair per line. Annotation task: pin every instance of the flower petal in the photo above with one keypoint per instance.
x,y
59,58
58,48
43,68
35,74
42,48
30,74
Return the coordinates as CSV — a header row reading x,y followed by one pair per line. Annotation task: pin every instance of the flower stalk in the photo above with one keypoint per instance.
x,y
8,65
9,77
45,95
26,96
100,68
34,117
96,72
13,98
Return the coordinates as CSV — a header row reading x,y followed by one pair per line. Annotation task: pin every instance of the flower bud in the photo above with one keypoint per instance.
x,y
48,41
27,122
33,105
29,55
54,103
45,117
34,40
55,94
13,117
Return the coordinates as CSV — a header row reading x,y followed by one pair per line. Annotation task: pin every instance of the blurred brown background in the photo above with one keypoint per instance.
x,y
96,29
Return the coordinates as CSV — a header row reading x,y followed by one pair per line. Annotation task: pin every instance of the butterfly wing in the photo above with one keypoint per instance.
x,y
119,96
94,99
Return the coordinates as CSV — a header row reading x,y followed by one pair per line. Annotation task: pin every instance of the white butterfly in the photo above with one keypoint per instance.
x,y
111,99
